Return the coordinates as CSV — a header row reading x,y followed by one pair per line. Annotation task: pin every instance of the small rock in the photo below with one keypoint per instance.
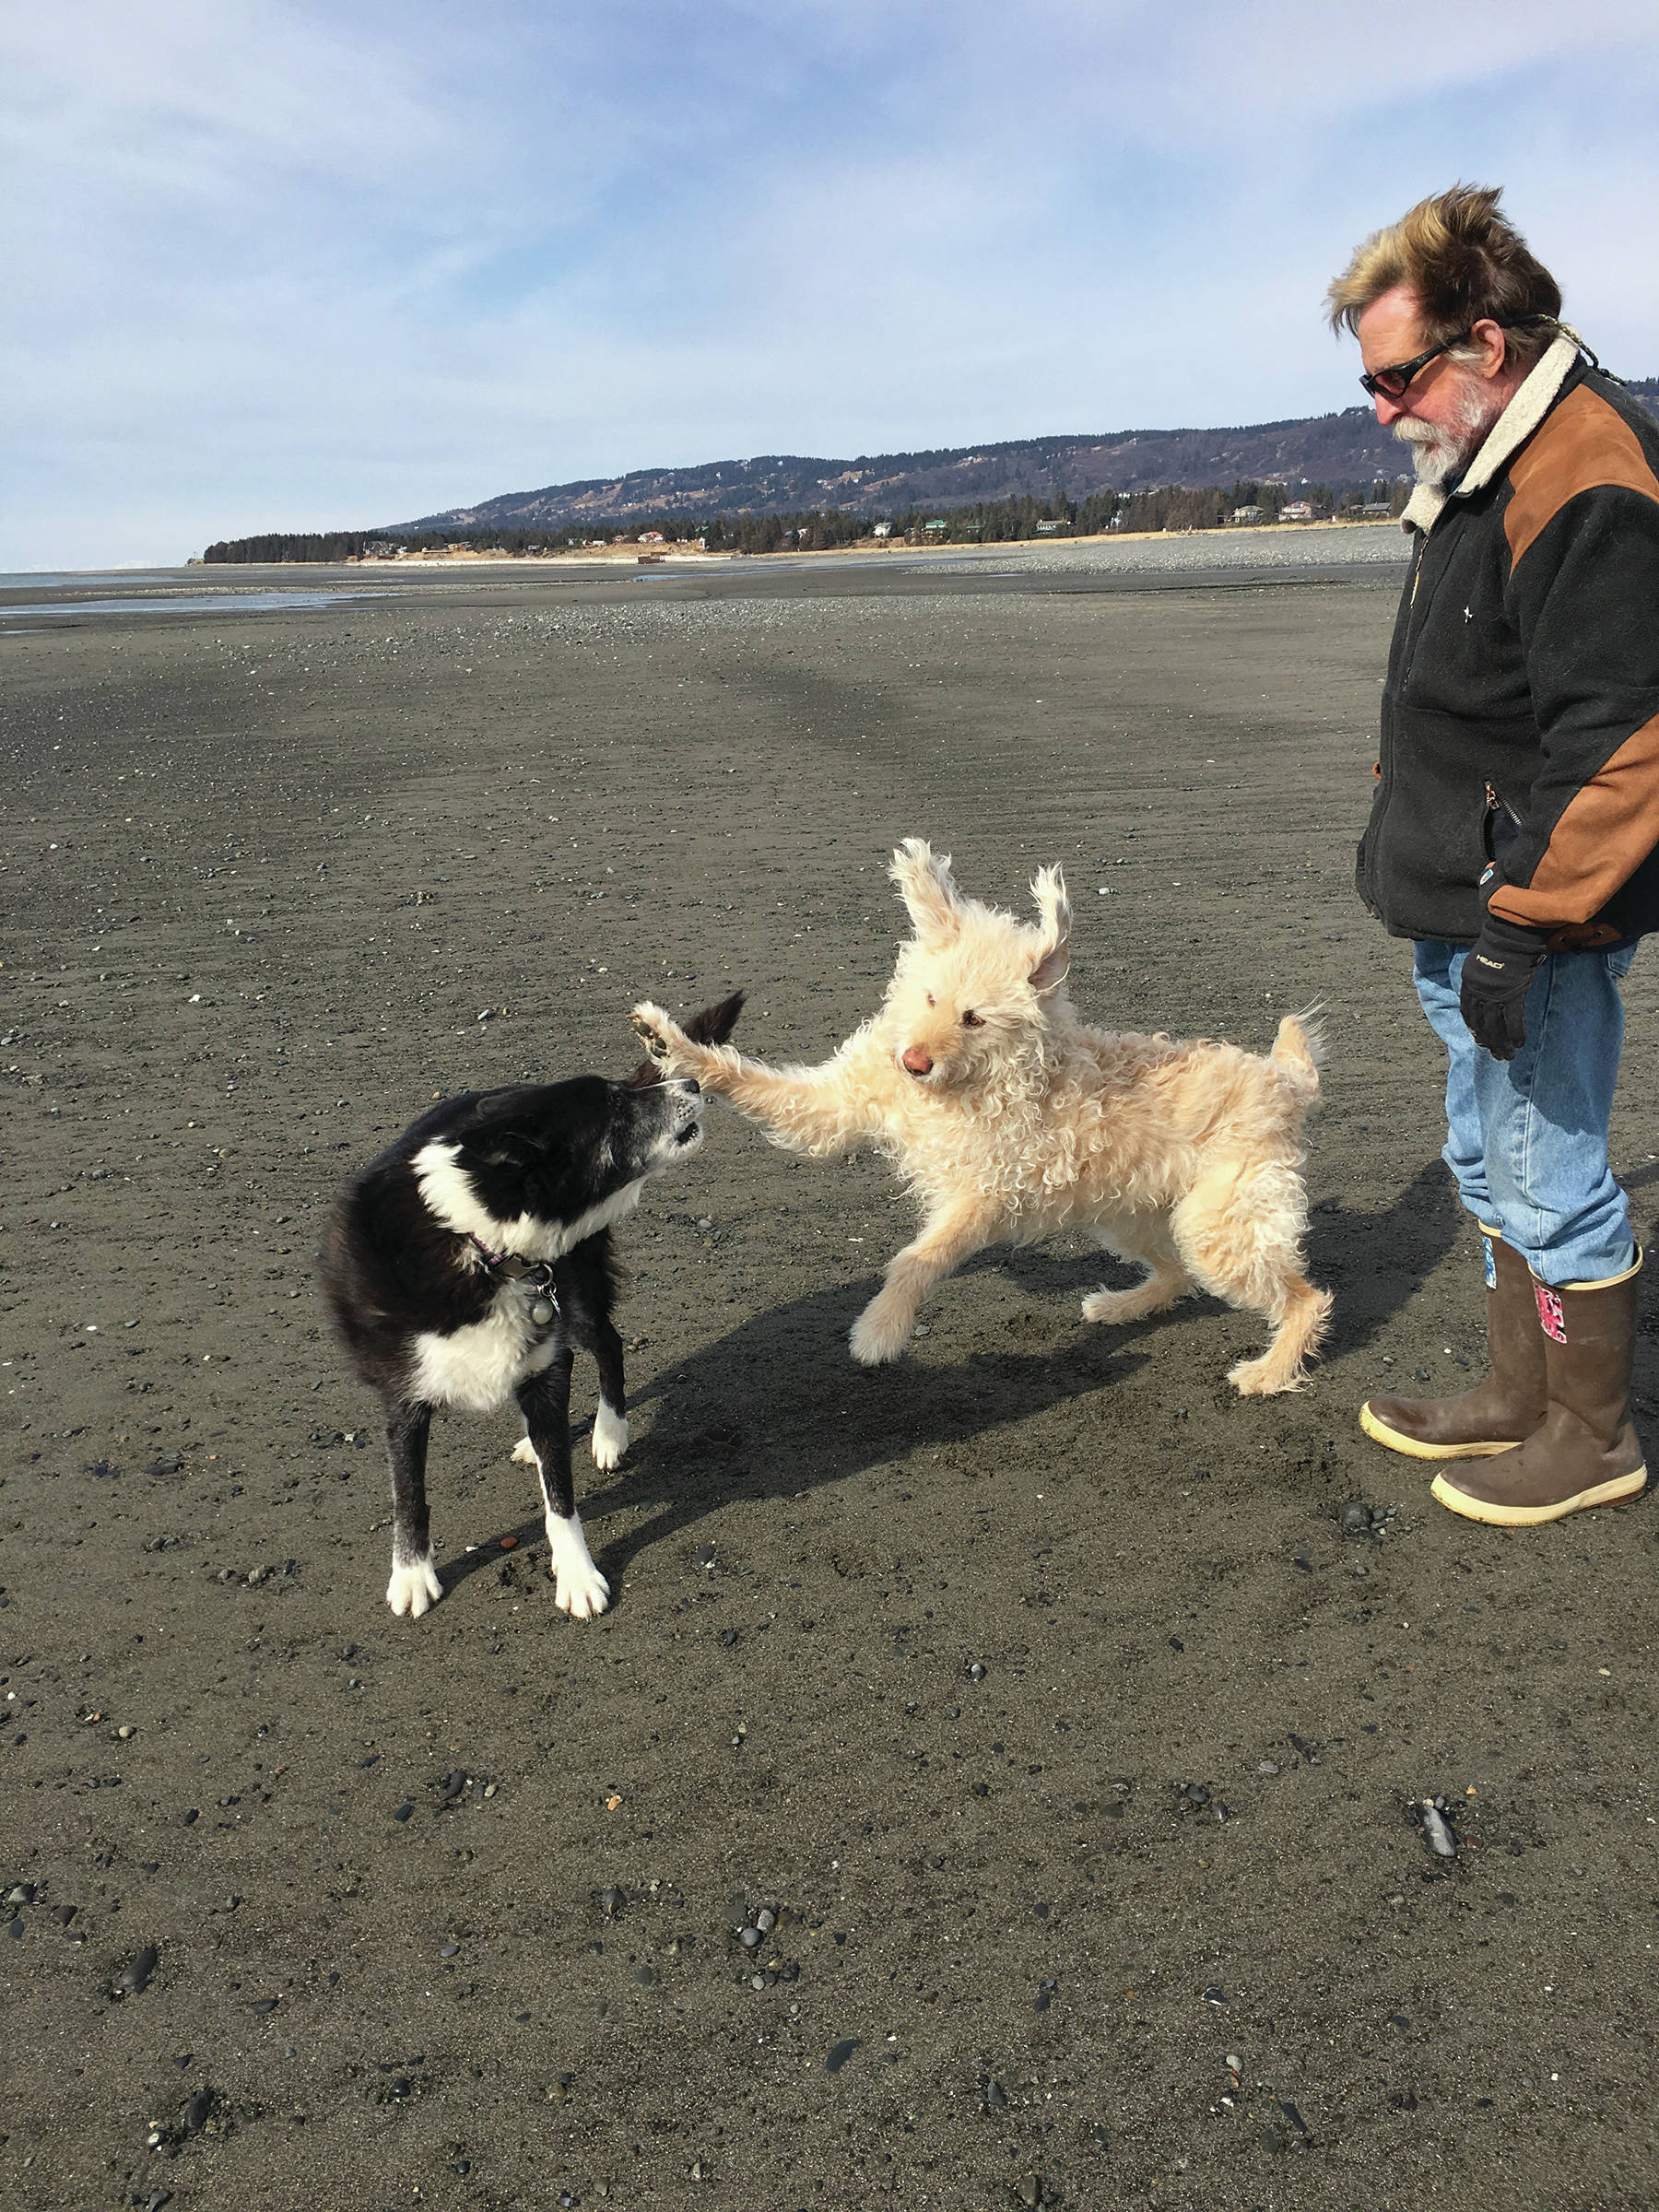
x,y
1266,1766
401,1812
995,2096
748,1937
1436,1834
1214,1996
1355,1518
977,1670
135,1977
766,1920
610,1902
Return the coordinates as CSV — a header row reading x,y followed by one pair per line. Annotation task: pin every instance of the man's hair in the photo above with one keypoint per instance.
x,y
1464,262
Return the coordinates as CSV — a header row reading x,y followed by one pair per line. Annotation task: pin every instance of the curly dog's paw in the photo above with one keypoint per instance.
x,y
879,1334
653,1028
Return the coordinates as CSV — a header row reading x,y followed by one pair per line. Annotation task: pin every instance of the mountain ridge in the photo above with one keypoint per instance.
x,y
1338,450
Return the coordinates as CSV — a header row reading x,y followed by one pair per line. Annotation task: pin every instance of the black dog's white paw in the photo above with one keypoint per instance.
x,y
414,1588
579,1588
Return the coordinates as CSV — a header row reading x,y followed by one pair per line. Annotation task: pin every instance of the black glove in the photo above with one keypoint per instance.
x,y
1495,979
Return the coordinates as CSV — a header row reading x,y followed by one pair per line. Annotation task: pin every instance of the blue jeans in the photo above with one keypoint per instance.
x,y
1527,1137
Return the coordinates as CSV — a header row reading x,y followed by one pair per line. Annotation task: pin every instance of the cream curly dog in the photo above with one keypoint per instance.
x,y
1011,1119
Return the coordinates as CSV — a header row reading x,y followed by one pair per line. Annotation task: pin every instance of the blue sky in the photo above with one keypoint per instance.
x,y
274,265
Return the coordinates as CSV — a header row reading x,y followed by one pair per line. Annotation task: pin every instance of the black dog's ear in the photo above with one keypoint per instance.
x,y
505,1148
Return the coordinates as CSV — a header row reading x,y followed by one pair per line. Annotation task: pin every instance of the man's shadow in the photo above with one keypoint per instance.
x,y
777,1406
1373,1261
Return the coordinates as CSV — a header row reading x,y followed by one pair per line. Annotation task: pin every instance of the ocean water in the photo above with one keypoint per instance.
x,y
87,580
180,602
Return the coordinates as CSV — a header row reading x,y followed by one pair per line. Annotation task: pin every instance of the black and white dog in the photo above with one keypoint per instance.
x,y
466,1264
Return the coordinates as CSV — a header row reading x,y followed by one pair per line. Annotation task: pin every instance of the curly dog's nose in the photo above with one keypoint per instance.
x,y
916,1060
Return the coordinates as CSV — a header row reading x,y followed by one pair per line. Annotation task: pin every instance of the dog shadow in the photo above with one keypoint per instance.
x,y
778,1407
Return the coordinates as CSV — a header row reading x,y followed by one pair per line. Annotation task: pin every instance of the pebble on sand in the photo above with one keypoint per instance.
x,y
1436,1834
135,1976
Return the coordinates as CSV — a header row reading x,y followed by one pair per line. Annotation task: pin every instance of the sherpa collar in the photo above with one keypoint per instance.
x,y
1532,401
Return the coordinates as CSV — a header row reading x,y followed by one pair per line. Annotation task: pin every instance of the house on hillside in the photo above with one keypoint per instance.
x,y
650,537
1247,515
882,530
1297,511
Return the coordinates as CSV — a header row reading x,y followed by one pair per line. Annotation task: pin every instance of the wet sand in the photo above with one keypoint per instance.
x,y
1034,1686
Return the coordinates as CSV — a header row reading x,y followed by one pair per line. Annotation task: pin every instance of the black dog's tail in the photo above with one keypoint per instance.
x,y
712,1026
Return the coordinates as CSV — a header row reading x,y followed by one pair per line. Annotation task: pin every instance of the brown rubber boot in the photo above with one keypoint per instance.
x,y
1498,1414
1588,1452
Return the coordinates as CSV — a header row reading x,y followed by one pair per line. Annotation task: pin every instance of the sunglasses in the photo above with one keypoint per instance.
x,y
1393,383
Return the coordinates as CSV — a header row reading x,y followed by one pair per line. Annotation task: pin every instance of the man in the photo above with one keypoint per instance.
x,y
1515,824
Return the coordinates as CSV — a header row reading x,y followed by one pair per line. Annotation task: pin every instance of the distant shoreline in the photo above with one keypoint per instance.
x,y
627,552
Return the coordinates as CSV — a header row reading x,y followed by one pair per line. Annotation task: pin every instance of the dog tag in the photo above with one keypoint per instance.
x,y
541,1312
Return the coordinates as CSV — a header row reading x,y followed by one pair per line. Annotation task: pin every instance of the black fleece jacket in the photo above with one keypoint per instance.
x,y
1521,712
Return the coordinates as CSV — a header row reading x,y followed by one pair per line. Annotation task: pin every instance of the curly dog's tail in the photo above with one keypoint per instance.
x,y
1299,1052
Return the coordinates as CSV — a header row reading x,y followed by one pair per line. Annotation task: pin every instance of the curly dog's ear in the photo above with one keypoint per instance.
x,y
925,886
1054,935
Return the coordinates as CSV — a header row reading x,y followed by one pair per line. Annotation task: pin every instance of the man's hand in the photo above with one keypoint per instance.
x,y
1495,979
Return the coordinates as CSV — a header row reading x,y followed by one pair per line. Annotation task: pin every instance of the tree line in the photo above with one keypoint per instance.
x,y
1173,507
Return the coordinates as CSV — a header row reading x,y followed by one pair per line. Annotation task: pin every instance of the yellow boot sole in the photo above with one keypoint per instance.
x,y
1527,1516
1395,1440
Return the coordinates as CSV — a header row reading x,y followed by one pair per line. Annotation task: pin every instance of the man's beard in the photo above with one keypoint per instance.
x,y
1440,450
